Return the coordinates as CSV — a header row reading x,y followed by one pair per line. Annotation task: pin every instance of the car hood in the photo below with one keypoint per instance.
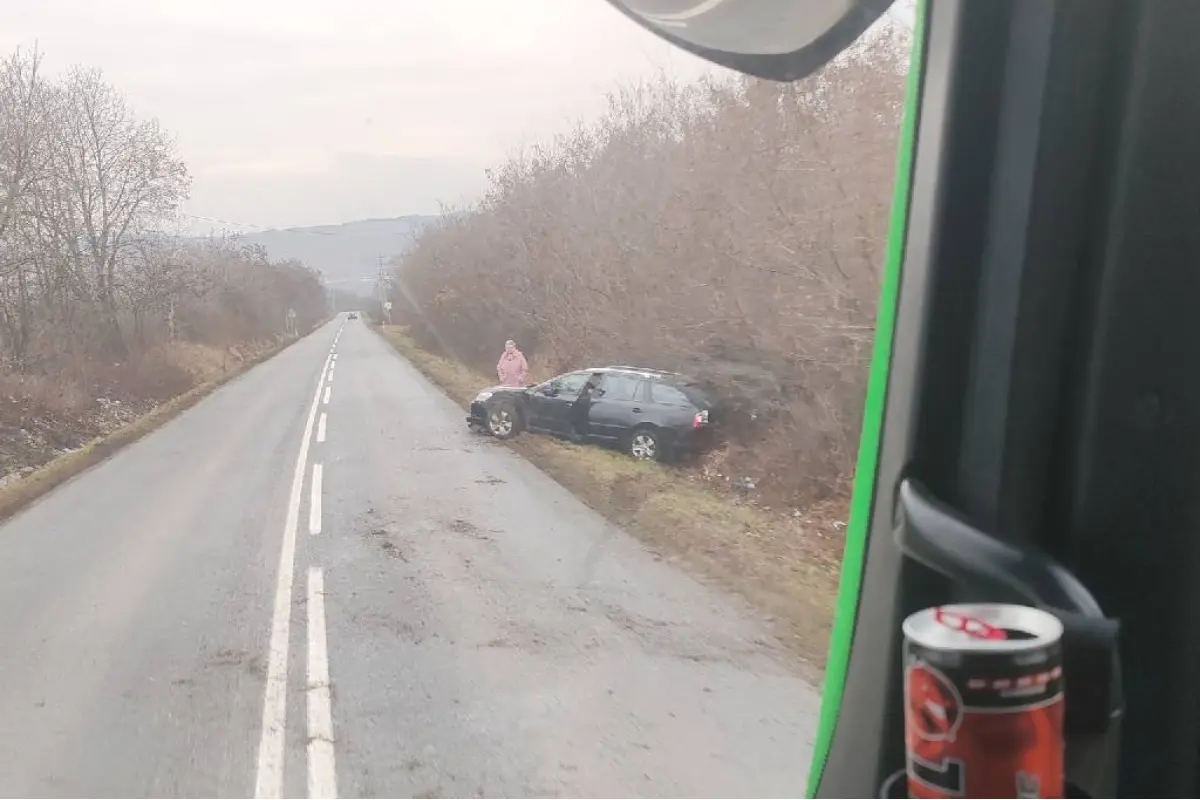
x,y
504,390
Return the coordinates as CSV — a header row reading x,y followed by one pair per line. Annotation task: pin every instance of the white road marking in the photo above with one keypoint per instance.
x,y
321,428
314,501
326,400
322,771
268,780
331,366
335,356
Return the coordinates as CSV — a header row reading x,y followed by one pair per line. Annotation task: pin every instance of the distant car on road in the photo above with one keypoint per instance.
x,y
352,315
650,414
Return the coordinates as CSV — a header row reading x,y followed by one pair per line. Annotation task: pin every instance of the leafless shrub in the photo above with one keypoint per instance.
x,y
91,290
732,228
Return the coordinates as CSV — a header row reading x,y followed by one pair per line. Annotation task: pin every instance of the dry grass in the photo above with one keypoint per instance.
x,y
785,565
20,492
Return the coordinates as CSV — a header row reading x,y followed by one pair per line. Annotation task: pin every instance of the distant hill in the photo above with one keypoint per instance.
x,y
347,254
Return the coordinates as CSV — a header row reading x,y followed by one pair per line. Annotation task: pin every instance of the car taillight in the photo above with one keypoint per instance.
x,y
700,419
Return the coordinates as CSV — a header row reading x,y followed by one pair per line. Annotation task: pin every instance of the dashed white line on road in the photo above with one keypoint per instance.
x,y
321,428
326,400
322,771
314,501
268,780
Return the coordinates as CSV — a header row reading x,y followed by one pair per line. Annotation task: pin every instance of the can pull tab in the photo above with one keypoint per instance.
x,y
971,626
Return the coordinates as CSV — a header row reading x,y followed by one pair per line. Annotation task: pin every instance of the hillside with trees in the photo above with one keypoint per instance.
x,y
347,254
733,229
104,313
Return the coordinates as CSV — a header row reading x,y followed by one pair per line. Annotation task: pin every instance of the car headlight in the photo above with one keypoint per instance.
x,y
482,397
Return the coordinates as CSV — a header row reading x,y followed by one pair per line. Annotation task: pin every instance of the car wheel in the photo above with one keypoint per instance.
x,y
645,444
502,421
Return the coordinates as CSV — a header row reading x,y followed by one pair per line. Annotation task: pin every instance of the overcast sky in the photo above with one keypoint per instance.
x,y
299,112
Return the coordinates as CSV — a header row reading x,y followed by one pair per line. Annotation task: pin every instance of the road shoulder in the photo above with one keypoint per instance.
x,y
20,492
784,567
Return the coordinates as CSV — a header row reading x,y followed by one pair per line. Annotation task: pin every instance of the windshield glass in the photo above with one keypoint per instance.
x,y
279,517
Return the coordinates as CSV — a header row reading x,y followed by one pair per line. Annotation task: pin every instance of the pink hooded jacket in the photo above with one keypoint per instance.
x,y
513,369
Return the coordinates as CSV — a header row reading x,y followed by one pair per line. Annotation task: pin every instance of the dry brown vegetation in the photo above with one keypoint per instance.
x,y
732,229
103,316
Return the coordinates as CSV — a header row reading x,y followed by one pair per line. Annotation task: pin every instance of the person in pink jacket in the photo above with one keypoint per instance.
x,y
513,369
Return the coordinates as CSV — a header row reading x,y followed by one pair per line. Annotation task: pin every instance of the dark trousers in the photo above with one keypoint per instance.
x,y
579,418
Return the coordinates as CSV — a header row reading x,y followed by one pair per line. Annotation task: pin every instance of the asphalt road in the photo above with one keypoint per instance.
x,y
317,582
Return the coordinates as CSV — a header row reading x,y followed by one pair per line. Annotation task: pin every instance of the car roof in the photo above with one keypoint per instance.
x,y
643,372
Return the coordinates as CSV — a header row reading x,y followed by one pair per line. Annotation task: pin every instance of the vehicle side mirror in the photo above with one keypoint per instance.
x,y
548,390
781,40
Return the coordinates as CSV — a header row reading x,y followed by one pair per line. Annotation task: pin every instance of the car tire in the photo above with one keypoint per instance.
x,y
503,420
645,444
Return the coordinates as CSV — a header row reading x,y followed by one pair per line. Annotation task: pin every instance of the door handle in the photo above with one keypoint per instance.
x,y
637,410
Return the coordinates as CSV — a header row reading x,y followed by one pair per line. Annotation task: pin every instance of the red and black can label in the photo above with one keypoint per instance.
x,y
983,694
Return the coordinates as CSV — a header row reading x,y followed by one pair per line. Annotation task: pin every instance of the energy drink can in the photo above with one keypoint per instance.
x,y
983,702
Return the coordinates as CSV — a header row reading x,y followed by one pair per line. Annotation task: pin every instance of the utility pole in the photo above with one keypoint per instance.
x,y
383,281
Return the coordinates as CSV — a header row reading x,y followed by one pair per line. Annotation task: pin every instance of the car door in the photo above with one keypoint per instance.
x,y
550,403
618,406
1032,423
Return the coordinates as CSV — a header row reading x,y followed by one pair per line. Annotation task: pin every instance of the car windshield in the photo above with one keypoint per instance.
x,y
317,264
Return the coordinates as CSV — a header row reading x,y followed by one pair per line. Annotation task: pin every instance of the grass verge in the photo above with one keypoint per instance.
x,y
19,493
783,565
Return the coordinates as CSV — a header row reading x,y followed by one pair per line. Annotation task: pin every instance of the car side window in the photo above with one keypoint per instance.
x,y
617,386
569,384
669,396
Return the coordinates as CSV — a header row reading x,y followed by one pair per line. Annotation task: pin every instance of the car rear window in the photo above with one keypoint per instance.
x,y
680,395
697,395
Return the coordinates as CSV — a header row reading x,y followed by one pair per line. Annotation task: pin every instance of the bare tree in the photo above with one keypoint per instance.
x,y
731,228
97,298
23,133
112,175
